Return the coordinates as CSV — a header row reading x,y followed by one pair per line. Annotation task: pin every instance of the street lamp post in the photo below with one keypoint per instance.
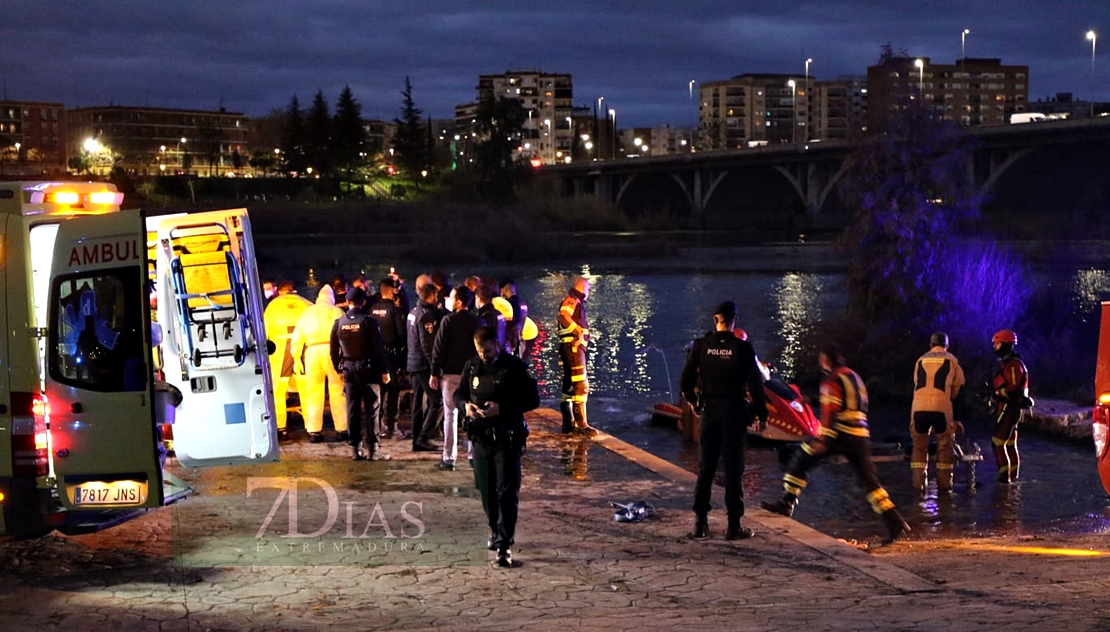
x,y
793,111
806,97
597,125
693,113
920,78
1091,35
613,131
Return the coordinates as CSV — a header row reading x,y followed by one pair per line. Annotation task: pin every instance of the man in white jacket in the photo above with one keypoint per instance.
x,y
312,358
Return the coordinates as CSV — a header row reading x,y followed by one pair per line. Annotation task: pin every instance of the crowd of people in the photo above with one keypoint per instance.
x,y
463,350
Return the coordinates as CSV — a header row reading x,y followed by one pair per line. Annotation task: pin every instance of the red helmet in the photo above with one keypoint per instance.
x,y
740,333
1004,336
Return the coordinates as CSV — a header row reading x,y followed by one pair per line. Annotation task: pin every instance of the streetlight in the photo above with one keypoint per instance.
x,y
793,110
963,43
613,115
920,64
1091,35
692,114
597,124
806,95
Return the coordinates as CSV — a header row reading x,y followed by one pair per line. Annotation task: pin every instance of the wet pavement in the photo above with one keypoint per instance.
x,y
189,567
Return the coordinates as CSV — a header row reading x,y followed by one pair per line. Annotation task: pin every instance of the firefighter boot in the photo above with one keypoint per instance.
x,y
895,526
944,480
580,424
783,506
568,418
701,527
918,475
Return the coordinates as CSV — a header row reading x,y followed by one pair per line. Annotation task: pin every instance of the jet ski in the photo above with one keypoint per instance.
x,y
789,416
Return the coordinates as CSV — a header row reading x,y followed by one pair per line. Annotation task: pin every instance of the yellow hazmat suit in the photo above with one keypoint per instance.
x,y
281,318
312,357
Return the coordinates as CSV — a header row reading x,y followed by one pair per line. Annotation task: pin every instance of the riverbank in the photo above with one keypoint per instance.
x,y
581,569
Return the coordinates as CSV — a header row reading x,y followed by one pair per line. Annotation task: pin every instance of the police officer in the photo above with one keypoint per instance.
x,y
573,336
843,431
937,379
358,353
488,315
495,392
729,374
427,402
391,322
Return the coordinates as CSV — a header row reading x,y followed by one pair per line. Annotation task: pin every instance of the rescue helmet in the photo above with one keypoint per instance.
x,y
938,339
582,285
1004,336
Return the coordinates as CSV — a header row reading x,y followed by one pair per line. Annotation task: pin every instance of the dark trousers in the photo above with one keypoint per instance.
x,y
497,477
724,436
390,395
427,408
361,391
857,449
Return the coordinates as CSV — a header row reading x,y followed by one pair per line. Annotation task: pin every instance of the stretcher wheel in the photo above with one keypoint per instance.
x,y
238,354
196,358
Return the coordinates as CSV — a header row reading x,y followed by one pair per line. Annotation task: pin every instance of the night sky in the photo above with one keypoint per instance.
x,y
252,56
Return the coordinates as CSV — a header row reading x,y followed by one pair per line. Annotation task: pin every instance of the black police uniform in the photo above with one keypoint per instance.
x,y
498,441
427,402
391,323
729,374
358,353
489,316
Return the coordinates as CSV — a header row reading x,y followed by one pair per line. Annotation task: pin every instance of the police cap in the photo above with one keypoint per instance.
x,y
357,296
726,310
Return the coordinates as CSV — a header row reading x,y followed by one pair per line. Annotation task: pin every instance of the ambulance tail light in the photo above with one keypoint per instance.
x,y
30,439
1100,424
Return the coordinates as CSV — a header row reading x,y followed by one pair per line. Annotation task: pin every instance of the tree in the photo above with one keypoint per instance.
x,y
293,138
348,148
318,147
409,143
910,270
500,123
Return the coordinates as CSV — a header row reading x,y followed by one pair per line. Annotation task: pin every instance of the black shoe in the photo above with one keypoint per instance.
x,y
378,454
447,466
505,558
356,455
422,446
780,507
283,436
701,529
343,437
315,437
490,544
738,532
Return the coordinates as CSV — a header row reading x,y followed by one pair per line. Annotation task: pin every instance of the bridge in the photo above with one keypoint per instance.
x,y
794,185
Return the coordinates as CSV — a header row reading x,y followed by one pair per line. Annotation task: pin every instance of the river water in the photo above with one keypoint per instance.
x,y
642,315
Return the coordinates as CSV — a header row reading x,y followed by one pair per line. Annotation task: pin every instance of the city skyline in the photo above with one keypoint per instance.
x,y
250,58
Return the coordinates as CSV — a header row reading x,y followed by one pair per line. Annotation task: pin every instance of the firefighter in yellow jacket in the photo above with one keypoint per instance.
x,y
312,355
937,379
281,316
573,335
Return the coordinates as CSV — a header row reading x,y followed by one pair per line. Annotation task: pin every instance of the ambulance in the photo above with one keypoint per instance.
x,y
117,323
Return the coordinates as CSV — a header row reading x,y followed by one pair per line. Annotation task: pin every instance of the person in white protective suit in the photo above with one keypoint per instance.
x,y
312,358
281,316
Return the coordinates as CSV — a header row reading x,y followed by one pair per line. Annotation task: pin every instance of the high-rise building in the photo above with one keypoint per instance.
x,y
839,108
546,98
971,91
32,138
752,109
150,141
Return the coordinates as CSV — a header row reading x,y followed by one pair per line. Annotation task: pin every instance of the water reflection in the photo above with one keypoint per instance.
x,y
796,299
572,454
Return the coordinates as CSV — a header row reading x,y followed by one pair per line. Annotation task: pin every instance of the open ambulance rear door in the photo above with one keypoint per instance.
x,y
215,349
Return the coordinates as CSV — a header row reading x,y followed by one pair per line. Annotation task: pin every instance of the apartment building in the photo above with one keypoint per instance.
x,y
839,108
971,91
152,141
753,109
32,138
549,129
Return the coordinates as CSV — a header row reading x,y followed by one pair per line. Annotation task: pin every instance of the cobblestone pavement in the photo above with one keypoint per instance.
x,y
181,568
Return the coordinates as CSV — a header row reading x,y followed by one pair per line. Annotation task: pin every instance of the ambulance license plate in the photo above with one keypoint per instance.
x,y
118,493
